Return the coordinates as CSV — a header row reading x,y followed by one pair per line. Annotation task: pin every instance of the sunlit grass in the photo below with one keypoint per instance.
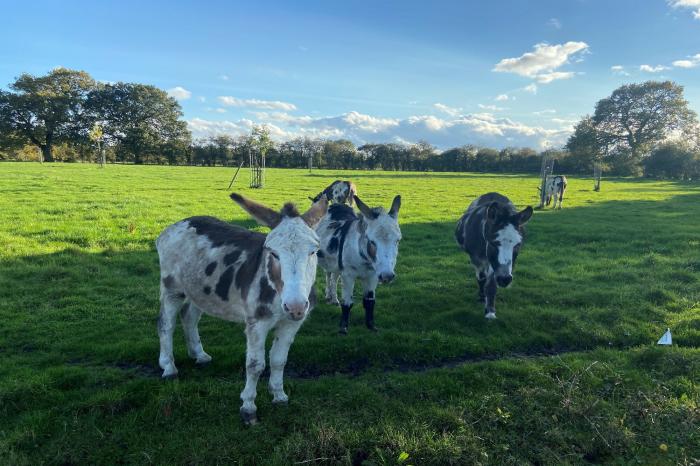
x,y
599,281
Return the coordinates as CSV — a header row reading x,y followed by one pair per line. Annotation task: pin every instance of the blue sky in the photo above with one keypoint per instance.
x,y
498,73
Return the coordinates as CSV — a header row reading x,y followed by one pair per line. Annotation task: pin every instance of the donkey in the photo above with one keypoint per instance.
x,y
555,187
363,247
265,281
339,192
491,232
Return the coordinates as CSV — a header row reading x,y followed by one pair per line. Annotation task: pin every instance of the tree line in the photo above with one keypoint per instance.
x,y
640,129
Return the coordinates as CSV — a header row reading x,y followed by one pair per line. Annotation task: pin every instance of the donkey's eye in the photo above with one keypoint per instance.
x,y
313,252
274,254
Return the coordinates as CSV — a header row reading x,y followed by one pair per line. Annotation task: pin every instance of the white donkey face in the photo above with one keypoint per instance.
x,y
292,245
383,235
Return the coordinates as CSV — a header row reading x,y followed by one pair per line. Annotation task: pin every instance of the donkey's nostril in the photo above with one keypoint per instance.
x,y
504,281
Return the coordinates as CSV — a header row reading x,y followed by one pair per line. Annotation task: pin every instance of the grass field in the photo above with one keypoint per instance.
x,y
568,374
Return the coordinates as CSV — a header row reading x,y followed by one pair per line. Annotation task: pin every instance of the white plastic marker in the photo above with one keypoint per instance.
x,y
665,338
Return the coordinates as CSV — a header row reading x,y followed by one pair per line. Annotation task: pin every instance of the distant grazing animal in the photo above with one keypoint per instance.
x,y
491,232
363,247
265,281
554,187
339,192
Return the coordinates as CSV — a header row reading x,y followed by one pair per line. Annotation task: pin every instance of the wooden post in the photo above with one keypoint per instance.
x,y
233,180
547,169
597,172
257,169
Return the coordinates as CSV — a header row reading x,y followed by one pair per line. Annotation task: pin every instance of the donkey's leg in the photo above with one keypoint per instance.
x,y
561,198
255,333
369,286
170,303
332,288
348,287
481,280
189,316
490,288
285,332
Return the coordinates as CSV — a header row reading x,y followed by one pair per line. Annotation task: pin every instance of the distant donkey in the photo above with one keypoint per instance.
x,y
554,187
491,232
339,192
264,281
363,247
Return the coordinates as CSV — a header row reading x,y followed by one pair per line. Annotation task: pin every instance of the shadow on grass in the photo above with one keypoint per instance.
x,y
612,274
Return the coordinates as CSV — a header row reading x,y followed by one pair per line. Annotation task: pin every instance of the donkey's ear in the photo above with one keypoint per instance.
x,y
524,215
364,208
492,212
263,215
352,193
316,211
395,206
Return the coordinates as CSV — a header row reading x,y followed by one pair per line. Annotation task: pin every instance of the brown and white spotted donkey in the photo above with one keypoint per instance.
x,y
491,232
264,281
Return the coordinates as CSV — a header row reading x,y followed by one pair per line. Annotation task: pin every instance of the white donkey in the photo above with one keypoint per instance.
x,y
363,247
265,281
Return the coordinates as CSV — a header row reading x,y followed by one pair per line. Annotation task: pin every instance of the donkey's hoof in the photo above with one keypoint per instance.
x,y
281,402
203,360
343,331
169,376
372,328
490,315
250,418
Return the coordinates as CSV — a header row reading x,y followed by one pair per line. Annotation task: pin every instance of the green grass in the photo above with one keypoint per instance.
x,y
567,374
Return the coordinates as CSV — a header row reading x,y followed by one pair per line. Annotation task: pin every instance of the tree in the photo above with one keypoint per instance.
x,y
637,117
141,120
671,160
45,110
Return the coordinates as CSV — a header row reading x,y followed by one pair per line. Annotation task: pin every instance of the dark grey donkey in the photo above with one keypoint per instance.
x,y
491,232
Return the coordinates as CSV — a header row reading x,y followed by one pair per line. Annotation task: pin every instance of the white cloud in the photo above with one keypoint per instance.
x,y
452,111
541,64
531,88
565,123
687,4
216,110
179,93
555,23
692,62
547,78
493,108
255,103
652,69
502,97
202,98
479,128
544,112
224,77
619,70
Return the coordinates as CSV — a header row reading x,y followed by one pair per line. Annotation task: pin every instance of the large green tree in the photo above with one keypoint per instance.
x,y
45,110
637,117
141,120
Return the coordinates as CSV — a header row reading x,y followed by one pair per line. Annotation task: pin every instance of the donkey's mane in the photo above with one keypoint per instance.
x,y
289,210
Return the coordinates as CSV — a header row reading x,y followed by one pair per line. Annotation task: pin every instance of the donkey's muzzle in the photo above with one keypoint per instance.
x,y
504,280
387,277
296,311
